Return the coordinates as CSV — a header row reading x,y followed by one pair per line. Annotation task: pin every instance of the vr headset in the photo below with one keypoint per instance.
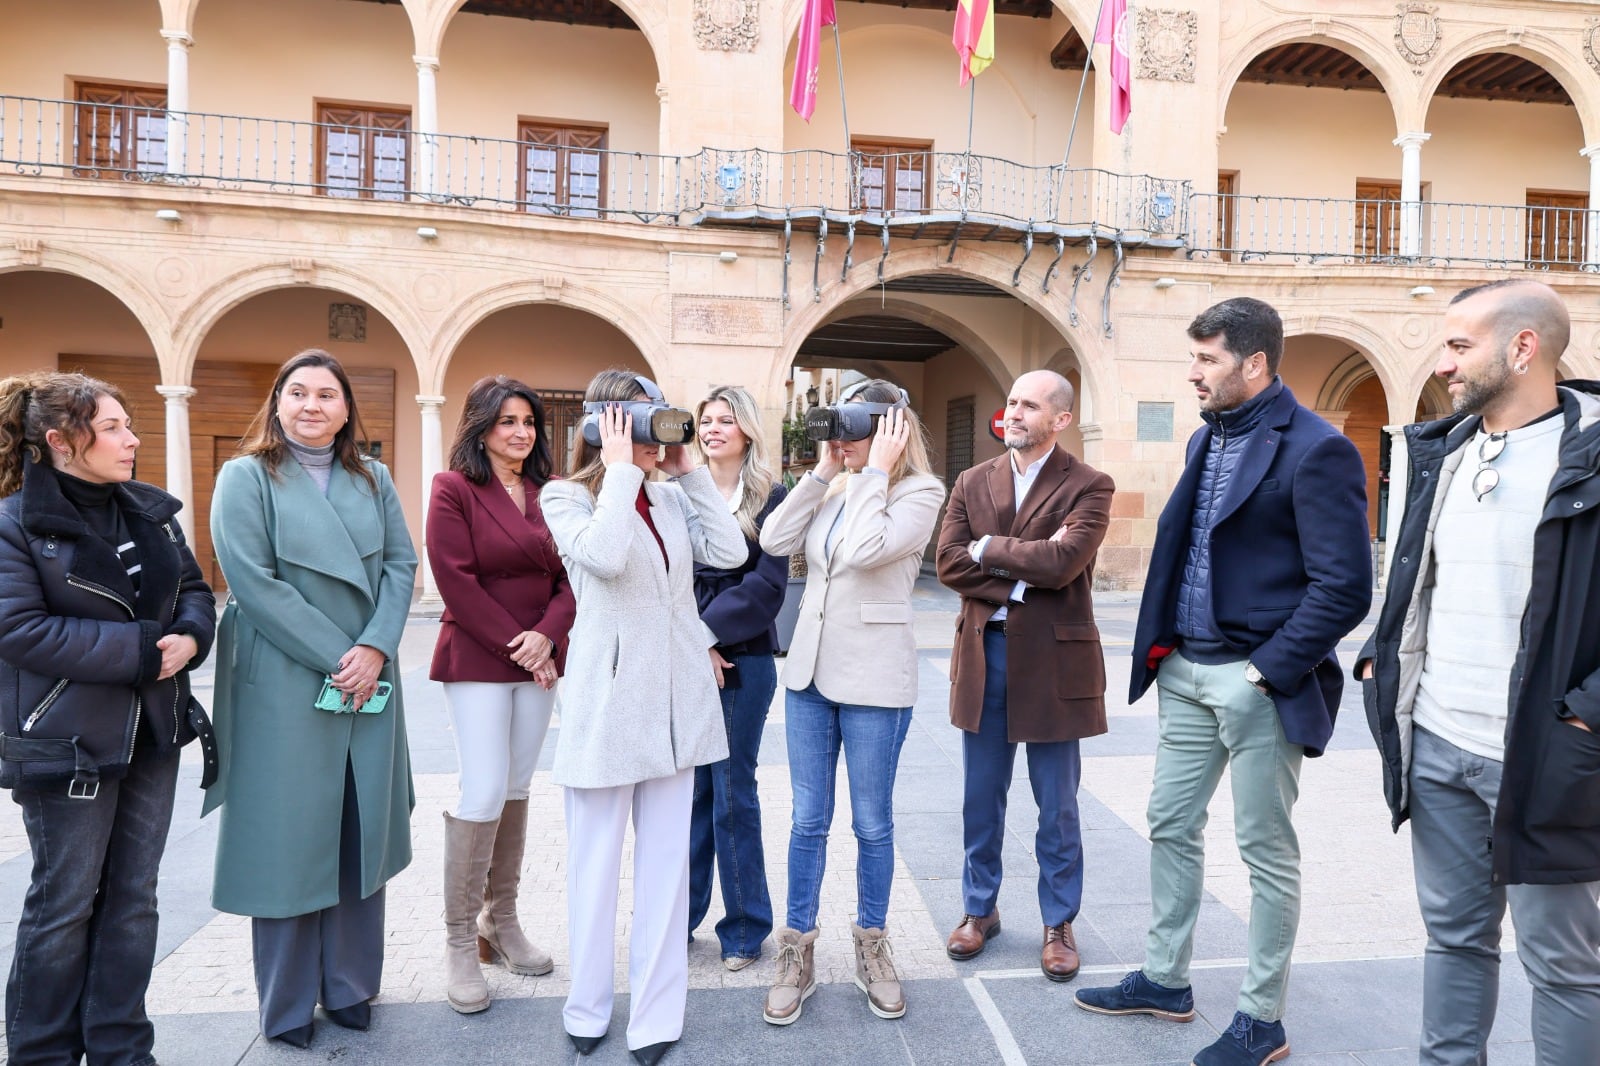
x,y
850,421
654,420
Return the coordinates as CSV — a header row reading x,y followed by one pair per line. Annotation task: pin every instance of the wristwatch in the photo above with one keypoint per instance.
x,y
1252,675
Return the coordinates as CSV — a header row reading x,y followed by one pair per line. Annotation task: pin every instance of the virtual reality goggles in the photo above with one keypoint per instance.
x,y
850,421
654,420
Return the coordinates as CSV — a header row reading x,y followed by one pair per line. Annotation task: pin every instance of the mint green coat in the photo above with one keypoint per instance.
x,y
309,577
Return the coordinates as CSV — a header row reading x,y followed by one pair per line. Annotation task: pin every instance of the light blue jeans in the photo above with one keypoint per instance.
x,y
816,729
1453,797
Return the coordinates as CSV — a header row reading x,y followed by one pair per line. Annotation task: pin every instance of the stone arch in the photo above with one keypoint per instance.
x,y
1095,362
649,15
1368,342
1067,359
969,339
640,331
1354,41
122,286
1433,398
1532,45
207,310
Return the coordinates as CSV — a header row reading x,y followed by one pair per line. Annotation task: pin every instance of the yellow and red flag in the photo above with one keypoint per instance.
x,y
808,56
974,36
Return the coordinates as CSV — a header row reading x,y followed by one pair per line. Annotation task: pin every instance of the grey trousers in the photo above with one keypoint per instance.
x,y
333,956
1453,796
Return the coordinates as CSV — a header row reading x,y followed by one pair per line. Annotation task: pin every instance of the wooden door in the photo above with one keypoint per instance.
x,y
1377,219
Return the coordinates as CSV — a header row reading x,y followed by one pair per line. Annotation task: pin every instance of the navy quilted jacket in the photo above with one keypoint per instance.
x,y
1231,432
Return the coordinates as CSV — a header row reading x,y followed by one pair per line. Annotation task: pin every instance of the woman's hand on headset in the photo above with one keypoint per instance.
x,y
616,435
675,460
894,430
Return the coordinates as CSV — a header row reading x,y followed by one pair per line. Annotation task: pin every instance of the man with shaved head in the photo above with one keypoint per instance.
x,y
1482,678
1019,542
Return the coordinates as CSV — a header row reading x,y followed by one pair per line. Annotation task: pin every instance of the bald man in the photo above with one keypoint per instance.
x,y
1018,543
1482,678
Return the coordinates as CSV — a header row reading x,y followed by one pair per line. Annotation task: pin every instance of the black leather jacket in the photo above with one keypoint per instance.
x,y
78,655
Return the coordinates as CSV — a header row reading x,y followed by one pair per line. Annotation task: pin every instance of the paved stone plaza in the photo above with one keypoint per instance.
x,y
1355,998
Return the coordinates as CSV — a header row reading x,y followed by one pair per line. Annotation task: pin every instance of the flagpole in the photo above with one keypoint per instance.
x,y
1088,55
972,106
838,55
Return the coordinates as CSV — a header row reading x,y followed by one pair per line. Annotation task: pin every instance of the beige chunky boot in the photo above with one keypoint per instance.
x,y
875,973
796,978
467,847
500,937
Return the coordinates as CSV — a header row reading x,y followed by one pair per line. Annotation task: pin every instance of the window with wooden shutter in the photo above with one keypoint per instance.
x,y
119,131
563,168
363,152
1556,224
1377,219
1227,212
894,175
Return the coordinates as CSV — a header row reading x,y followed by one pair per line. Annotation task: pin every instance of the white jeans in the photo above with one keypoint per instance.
x,y
499,729
658,949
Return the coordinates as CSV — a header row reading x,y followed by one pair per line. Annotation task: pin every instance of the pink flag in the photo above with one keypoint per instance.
x,y
1113,30
807,56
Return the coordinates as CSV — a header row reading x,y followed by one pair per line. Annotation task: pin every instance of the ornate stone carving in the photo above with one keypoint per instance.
x,y
1591,43
347,322
1417,35
303,269
553,284
30,250
727,25
175,277
1166,44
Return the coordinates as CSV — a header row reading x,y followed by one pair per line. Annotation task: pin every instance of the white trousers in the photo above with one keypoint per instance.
x,y
658,950
499,729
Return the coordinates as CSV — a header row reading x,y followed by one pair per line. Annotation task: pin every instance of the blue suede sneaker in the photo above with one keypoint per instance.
x,y
1137,994
1246,1043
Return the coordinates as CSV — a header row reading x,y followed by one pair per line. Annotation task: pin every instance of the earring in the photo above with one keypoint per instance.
x,y
480,445
1521,368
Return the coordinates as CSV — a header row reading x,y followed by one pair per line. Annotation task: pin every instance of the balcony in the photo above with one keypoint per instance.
x,y
1243,228
966,197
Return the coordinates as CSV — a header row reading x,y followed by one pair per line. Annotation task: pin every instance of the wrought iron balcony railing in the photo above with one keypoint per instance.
x,y
1299,229
912,193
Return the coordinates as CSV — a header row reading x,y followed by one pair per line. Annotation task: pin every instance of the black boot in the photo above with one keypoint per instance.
x,y
356,1016
299,1037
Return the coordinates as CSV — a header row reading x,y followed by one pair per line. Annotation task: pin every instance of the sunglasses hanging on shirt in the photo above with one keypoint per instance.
x,y
1487,477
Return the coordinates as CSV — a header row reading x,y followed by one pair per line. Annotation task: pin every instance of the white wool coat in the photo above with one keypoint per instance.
x,y
638,700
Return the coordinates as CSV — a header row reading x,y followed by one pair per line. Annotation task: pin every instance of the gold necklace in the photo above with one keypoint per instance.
x,y
511,489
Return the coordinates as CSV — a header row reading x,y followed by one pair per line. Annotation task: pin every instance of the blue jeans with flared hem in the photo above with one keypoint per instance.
x,y
725,822
86,941
817,729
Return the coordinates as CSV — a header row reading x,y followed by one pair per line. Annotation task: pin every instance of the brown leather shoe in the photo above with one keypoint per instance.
x,y
972,935
1059,957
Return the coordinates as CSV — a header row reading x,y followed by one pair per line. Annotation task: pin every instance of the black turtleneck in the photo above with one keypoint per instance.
x,y
96,502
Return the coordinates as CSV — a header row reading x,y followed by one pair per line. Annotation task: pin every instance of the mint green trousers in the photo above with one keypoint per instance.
x,y
1211,719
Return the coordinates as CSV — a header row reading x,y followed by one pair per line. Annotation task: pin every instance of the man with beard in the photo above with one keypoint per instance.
x,y
1261,565
1482,678
1018,543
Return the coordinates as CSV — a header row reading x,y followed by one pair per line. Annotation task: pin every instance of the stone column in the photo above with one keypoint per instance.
x,y
178,45
180,464
432,463
427,178
1410,145
1591,229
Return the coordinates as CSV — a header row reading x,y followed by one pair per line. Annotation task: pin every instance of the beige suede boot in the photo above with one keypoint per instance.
x,y
467,847
796,978
875,974
500,937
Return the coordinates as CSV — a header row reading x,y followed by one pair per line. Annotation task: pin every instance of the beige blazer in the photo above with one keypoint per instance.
x,y
854,639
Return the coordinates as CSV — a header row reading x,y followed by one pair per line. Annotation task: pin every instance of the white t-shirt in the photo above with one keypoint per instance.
x,y
1482,570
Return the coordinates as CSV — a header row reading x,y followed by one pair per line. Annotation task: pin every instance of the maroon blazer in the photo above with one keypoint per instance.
x,y
499,573
1055,671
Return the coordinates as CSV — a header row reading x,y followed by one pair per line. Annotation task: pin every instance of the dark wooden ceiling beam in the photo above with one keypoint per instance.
x,y
1488,76
1069,52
